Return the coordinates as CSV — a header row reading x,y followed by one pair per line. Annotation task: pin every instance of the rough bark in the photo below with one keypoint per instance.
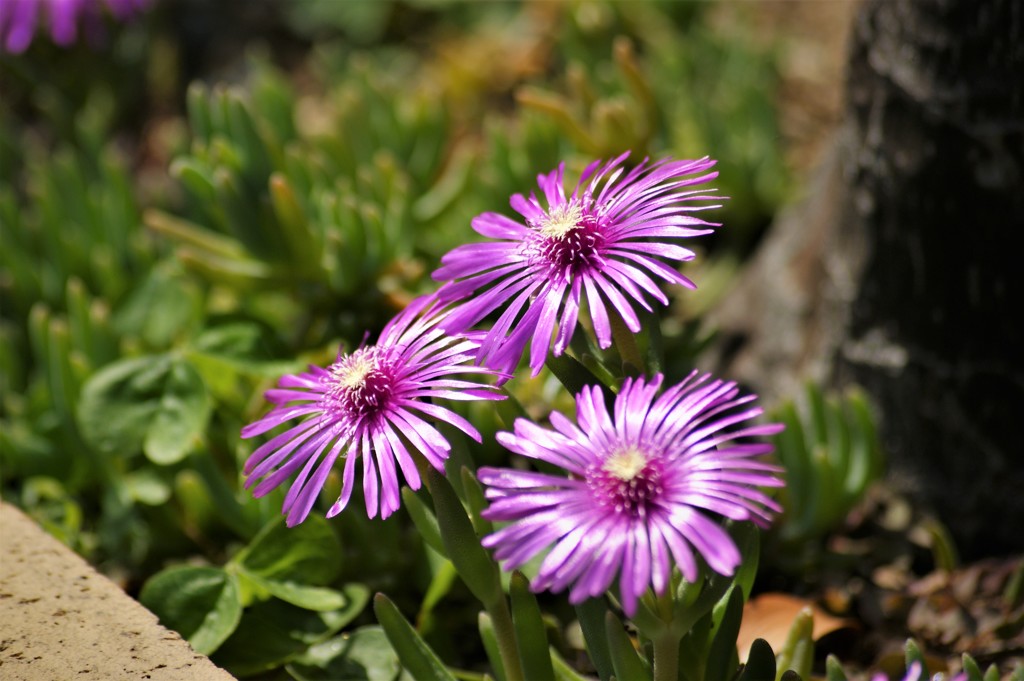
x,y
900,273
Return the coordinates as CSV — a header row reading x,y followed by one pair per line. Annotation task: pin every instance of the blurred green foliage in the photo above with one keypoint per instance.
x,y
182,225
831,455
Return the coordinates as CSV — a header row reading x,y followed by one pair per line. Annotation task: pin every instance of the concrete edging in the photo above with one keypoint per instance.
x,y
60,619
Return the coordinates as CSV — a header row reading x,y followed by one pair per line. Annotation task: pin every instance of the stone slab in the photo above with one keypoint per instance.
x,y
60,619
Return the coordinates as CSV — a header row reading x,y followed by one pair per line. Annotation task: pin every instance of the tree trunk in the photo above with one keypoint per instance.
x,y
898,273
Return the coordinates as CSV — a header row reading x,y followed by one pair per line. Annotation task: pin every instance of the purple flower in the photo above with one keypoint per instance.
x,y
19,18
916,673
367,405
642,479
604,242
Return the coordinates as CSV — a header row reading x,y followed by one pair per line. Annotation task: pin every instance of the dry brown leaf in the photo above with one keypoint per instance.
x,y
770,616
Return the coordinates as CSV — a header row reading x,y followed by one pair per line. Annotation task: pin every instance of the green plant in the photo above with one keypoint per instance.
x,y
830,454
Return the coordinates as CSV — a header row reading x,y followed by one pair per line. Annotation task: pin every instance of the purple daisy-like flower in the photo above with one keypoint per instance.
x,y
915,672
19,19
604,242
367,405
643,478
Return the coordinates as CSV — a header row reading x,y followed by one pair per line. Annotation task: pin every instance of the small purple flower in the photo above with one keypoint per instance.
x,y
603,243
367,406
19,19
916,673
642,478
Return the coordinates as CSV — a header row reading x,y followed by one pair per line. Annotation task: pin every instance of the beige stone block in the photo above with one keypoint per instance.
x,y
61,620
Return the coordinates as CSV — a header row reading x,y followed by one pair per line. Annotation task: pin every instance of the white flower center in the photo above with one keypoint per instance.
x,y
351,374
561,220
625,465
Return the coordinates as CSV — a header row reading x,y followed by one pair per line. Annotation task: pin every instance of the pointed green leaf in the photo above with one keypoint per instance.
x,y
912,653
441,584
833,670
591,614
574,375
530,631
415,654
747,536
563,672
971,668
491,648
424,520
462,546
476,501
722,658
760,664
797,653
626,661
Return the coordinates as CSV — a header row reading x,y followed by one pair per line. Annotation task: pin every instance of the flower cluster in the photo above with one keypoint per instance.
x,y
647,480
19,19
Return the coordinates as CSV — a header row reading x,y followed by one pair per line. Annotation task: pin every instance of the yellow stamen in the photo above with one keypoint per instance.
x,y
625,465
561,220
352,373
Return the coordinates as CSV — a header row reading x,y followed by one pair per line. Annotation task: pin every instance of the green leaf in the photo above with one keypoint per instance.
x,y
362,655
462,546
574,375
477,502
626,660
424,520
308,553
833,670
530,631
244,346
156,403
273,632
200,603
971,668
441,583
490,640
797,653
563,672
147,487
591,615
722,658
415,654
181,416
318,598
760,664
912,653
747,536
161,308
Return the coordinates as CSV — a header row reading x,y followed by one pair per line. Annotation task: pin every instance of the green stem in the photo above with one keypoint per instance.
x,y
474,565
666,642
666,657
625,342
505,633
